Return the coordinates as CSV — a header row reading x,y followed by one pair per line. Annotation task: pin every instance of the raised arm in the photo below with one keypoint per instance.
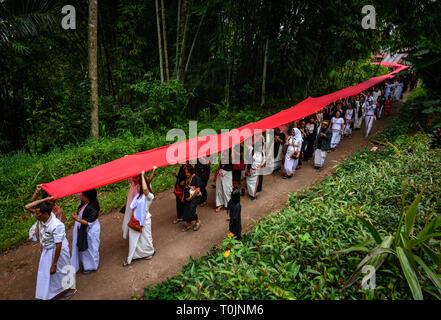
x,y
37,191
149,180
145,189
30,206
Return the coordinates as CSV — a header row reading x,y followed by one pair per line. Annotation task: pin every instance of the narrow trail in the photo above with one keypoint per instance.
x,y
113,281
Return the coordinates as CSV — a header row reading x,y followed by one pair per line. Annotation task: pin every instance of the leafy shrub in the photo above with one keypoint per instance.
x,y
290,254
154,105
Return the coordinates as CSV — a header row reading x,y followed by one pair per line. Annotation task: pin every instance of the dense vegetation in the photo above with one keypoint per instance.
x,y
293,253
216,54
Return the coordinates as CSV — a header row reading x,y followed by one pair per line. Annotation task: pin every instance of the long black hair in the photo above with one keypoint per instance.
x,y
92,196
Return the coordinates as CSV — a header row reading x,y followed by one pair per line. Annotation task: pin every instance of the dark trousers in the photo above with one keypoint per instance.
x,y
179,208
203,196
302,150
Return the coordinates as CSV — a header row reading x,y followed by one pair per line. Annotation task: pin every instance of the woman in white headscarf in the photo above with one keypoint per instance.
x,y
294,144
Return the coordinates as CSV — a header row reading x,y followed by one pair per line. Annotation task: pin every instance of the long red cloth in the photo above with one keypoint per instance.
x,y
129,166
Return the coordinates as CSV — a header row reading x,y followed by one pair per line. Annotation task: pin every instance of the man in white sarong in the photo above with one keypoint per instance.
x,y
224,181
257,156
53,276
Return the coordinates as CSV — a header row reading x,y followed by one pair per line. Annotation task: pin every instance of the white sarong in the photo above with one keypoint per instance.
x,y
49,286
252,183
290,165
319,158
347,128
398,91
224,186
278,159
336,137
369,123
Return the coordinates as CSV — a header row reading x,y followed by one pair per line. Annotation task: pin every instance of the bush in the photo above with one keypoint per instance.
x,y
290,253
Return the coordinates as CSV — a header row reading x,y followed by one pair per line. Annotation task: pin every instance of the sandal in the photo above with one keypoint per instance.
x,y
197,227
70,295
177,221
219,208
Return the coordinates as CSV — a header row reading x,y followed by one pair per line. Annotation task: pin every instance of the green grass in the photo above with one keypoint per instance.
x,y
290,254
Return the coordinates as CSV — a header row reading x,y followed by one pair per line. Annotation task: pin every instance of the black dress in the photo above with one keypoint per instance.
x,y
190,206
235,220
310,139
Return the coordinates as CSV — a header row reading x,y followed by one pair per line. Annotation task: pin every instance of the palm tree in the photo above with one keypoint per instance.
x,y
24,19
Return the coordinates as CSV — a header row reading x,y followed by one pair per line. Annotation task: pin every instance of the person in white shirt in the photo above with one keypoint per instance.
x,y
337,129
53,277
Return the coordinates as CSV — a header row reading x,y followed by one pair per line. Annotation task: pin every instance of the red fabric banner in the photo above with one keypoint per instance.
x,y
132,165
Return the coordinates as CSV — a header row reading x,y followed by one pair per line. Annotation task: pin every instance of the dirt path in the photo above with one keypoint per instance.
x,y
112,281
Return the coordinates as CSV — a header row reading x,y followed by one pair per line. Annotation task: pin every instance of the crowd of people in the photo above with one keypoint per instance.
x,y
241,170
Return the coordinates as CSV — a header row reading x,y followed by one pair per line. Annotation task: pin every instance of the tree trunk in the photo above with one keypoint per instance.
x,y
184,40
265,60
167,73
93,67
194,42
178,29
158,27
